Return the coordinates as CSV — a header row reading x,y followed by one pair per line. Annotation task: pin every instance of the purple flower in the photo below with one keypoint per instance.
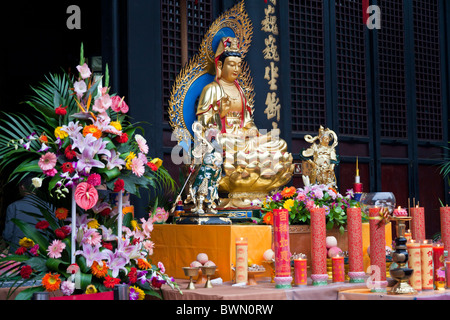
x,y
86,160
113,160
277,197
134,295
116,261
92,254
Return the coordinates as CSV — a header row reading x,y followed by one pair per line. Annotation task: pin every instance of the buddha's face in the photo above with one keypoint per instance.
x,y
231,68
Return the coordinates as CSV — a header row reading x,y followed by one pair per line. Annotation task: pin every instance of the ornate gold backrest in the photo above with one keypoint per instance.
x,y
200,71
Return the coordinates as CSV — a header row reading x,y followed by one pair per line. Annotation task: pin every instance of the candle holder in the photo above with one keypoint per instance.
x,y
208,271
402,273
190,272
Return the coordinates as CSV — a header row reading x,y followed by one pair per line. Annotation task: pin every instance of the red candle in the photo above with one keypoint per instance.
x,y
377,251
300,272
439,266
418,223
447,269
337,267
283,276
355,245
319,273
445,226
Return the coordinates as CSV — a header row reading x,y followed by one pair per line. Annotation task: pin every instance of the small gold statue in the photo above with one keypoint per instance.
x,y
320,159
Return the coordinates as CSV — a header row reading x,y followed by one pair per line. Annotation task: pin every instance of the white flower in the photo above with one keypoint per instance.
x,y
37,182
80,87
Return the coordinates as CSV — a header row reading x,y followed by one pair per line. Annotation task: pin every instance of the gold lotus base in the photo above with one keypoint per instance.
x,y
402,287
239,200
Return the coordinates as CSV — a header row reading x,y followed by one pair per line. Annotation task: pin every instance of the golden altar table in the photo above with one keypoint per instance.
x,y
176,246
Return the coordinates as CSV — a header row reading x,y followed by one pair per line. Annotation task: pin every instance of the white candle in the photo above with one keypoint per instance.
x,y
74,225
120,215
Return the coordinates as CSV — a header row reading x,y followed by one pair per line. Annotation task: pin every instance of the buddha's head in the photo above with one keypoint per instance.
x,y
228,60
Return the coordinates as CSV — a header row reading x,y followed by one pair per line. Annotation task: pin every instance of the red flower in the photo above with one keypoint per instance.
x,y
68,167
42,225
123,138
132,275
20,251
61,111
156,283
119,185
26,272
69,153
60,234
106,212
152,166
110,282
107,245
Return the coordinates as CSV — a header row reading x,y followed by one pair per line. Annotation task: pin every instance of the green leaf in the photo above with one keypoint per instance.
x,y
27,294
33,234
54,264
110,173
38,264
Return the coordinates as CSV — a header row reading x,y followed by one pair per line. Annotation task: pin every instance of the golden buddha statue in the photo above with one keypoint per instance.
x,y
215,89
255,162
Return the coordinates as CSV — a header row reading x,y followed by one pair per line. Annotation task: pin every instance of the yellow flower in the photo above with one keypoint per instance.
x,y
128,160
116,125
141,294
91,289
157,162
134,225
93,224
59,133
288,204
26,243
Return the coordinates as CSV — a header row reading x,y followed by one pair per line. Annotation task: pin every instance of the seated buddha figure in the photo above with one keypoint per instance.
x,y
255,162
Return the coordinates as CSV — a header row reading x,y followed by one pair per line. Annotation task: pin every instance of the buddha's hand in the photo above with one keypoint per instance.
x,y
253,132
225,106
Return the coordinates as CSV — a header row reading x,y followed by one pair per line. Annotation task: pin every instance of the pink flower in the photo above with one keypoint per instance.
x,y
301,196
67,288
160,216
161,267
118,105
55,249
310,204
94,179
149,246
86,196
147,226
92,237
47,161
102,104
84,70
142,143
34,250
51,172
137,167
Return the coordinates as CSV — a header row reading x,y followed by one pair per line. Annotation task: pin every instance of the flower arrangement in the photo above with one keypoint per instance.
x,y
81,143
299,202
